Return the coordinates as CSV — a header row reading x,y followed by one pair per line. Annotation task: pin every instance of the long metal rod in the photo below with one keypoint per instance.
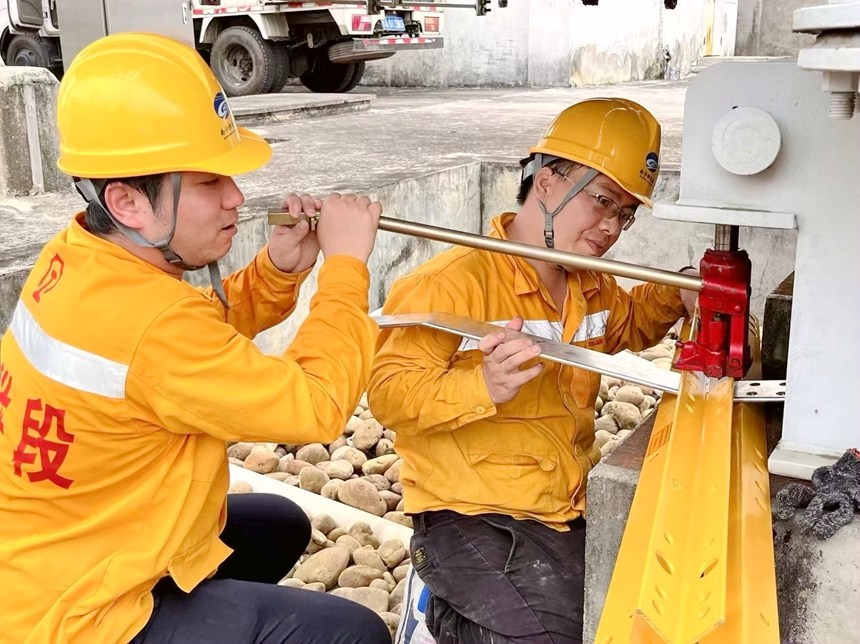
x,y
505,246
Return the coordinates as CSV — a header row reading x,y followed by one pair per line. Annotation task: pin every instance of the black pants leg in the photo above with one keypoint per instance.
x,y
268,533
497,580
243,605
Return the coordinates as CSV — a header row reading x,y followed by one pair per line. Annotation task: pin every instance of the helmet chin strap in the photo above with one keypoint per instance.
x,y
548,231
90,189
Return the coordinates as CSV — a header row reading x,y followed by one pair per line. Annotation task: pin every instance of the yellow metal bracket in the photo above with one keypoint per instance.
x,y
696,560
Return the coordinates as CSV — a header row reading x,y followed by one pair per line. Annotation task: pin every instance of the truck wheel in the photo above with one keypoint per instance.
x,y
281,61
28,51
243,62
357,73
328,77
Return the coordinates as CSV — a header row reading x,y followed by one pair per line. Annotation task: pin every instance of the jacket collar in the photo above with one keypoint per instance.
x,y
526,278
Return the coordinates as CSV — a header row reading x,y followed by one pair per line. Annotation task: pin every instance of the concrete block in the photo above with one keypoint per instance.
x,y
29,146
818,582
611,486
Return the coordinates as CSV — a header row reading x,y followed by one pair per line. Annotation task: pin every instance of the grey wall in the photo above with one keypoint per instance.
x,y
552,43
764,27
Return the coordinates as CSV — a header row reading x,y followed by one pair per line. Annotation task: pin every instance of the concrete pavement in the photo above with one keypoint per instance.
x,y
404,133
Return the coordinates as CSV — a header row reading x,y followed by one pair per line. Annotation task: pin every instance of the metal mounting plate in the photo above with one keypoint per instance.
x,y
729,216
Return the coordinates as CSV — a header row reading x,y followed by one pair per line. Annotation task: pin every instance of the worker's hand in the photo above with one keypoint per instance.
x,y
347,225
689,298
503,361
295,249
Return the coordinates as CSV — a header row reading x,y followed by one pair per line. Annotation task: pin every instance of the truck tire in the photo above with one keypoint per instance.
x,y
243,62
281,60
354,80
327,77
28,51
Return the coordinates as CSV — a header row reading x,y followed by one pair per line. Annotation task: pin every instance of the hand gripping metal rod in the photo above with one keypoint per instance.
x,y
551,255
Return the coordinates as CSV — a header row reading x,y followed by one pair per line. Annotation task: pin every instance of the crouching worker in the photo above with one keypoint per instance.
x,y
497,445
121,382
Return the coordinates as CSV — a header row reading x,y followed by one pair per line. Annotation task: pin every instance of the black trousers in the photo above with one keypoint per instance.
x,y
243,604
494,579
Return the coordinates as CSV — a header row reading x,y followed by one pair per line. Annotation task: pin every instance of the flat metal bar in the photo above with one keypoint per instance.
x,y
505,246
624,366
751,611
758,391
684,578
619,622
629,368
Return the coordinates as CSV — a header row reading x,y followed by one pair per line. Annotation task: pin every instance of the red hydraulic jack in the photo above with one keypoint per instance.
x,y
721,347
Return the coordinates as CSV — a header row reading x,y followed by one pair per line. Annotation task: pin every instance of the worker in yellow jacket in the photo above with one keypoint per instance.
x,y
496,444
120,383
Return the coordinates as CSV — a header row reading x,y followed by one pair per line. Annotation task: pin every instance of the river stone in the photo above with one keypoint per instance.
x,y
358,576
261,460
324,566
355,456
348,542
324,523
367,556
379,464
367,434
393,472
312,479
392,552
339,469
329,490
295,466
363,533
375,599
378,481
312,453
398,517
392,499
240,450
362,495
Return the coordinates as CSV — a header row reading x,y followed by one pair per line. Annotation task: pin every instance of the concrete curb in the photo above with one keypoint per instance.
x,y
314,504
279,108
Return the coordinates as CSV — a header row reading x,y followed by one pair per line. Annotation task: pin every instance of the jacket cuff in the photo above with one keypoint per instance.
x,y
273,276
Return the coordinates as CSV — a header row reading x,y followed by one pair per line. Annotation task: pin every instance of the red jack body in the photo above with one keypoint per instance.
x,y
721,347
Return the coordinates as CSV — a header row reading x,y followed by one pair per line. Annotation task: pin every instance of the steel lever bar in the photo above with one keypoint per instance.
x,y
551,255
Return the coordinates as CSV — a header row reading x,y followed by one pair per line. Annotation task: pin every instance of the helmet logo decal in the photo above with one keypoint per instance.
x,y
652,162
222,108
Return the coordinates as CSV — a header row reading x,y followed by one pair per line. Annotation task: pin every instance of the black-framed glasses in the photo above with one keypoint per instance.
x,y
606,208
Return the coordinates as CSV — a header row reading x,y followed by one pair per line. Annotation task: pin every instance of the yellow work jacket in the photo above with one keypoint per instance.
x,y
119,386
527,458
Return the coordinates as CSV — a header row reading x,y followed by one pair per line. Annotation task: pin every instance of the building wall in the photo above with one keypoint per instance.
x,y
553,43
764,27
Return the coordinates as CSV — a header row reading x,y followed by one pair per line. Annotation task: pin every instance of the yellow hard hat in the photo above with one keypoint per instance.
x,y
134,104
616,137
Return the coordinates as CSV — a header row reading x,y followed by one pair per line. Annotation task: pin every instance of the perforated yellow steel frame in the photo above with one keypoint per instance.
x,y
696,560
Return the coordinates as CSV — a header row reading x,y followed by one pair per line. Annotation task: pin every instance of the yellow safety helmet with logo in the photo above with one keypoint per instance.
x,y
134,104
615,136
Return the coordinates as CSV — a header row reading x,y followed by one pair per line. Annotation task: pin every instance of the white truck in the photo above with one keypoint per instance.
x,y
252,46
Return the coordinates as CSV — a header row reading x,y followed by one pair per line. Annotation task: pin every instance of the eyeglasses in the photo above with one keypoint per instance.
x,y
606,208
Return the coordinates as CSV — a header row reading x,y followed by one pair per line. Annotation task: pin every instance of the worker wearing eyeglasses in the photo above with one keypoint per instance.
x,y
496,444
